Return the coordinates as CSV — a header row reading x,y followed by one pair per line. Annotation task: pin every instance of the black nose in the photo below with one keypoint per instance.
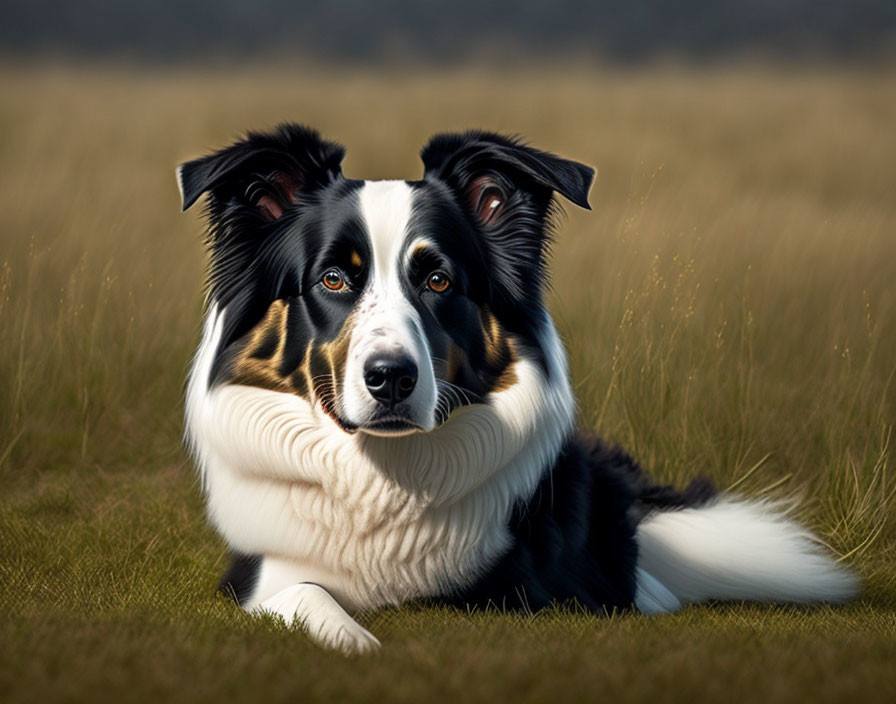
x,y
390,379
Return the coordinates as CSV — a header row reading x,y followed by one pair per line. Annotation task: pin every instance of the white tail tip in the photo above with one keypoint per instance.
x,y
734,549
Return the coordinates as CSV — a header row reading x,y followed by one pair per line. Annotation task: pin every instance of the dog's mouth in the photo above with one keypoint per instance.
x,y
393,422
391,425
398,421
391,428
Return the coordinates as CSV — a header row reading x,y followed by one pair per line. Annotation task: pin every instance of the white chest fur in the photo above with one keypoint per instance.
x,y
375,520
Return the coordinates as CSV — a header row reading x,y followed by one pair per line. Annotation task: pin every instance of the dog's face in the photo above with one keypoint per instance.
x,y
386,304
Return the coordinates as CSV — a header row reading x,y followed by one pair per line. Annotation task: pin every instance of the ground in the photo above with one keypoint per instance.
x,y
729,308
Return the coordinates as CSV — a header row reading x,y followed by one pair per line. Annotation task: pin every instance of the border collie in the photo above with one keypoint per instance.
x,y
380,405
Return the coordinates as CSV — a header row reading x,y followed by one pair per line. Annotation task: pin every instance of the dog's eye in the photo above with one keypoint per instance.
x,y
438,282
334,280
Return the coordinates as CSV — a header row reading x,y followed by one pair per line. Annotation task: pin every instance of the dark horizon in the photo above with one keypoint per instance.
x,y
351,31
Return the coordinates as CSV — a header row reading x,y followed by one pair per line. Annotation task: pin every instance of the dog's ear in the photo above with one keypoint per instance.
x,y
266,172
251,185
507,189
477,163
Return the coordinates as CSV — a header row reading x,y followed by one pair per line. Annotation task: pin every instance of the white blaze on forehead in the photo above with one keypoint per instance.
x,y
386,209
387,322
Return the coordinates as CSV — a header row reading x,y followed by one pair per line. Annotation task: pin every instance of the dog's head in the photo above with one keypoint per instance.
x,y
387,304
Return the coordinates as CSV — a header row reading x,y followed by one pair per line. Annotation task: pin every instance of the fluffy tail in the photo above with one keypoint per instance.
x,y
734,548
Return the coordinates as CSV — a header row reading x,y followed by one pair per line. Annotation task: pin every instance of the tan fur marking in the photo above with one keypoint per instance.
x,y
508,377
500,352
335,353
455,357
305,370
495,339
251,370
419,249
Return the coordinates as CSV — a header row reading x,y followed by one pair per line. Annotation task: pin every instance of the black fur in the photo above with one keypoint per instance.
x,y
239,581
255,260
515,245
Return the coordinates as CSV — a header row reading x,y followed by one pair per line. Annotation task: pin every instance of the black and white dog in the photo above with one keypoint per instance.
x,y
381,411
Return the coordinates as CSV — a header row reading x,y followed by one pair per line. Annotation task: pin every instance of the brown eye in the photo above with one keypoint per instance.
x,y
334,280
438,282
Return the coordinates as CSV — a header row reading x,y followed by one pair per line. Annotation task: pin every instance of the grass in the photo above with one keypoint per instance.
x,y
729,308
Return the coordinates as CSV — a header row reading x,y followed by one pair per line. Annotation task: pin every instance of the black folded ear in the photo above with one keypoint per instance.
x,y
460,158
266,172
506,188
252,185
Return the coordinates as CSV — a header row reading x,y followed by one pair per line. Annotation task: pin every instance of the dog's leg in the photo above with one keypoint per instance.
x,y
321,617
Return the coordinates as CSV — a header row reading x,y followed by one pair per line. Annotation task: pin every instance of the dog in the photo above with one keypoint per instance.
x,y
380,406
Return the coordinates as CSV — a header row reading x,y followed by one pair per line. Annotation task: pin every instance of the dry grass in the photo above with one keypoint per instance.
x,y
729,307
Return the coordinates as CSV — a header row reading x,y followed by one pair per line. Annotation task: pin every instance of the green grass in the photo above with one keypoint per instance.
x,y
729,308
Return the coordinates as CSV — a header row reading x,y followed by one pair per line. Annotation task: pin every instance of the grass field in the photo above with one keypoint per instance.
x,y
729,307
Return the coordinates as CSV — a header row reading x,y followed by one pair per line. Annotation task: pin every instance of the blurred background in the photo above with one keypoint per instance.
x,y
432,32
728,305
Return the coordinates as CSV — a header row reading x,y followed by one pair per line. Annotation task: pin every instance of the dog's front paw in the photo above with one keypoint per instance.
x,y
321,618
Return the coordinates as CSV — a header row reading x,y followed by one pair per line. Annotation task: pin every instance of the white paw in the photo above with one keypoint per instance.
x,y
320,617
